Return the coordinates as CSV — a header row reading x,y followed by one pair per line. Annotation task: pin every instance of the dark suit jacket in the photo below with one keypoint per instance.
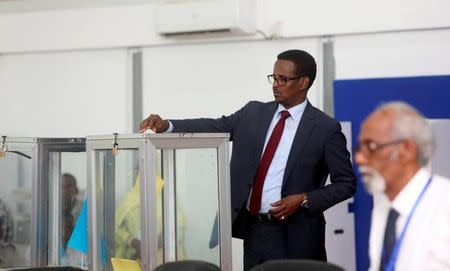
x,y
319,149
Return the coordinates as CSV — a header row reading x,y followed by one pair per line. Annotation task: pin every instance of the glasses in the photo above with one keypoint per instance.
x,y
370,147
281,80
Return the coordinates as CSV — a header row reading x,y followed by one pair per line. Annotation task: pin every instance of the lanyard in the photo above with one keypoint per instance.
x,y
398,243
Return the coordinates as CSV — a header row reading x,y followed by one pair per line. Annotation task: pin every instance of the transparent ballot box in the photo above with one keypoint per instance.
x,y
43,183
155,198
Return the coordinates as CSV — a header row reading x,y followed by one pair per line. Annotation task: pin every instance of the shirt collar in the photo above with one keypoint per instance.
x,y
405,200
295,111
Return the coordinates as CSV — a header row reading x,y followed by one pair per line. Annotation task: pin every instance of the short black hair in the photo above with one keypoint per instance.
x,y
304,63
69,177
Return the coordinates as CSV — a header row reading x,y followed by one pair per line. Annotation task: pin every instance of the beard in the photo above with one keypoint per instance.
x,y
372,180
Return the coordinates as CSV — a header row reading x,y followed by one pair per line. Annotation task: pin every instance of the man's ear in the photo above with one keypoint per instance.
x,y
304,82
409,150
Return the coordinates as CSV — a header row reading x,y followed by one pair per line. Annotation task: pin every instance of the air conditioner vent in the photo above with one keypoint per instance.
x,y
206,16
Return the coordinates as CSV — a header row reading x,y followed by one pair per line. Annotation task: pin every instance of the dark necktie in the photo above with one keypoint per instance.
x,y
389,238
271,147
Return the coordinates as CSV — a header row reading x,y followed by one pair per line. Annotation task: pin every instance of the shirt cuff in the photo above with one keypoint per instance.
x,y
170,129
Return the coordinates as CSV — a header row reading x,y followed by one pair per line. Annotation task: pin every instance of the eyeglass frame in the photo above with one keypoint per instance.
x,y
284,79
373,146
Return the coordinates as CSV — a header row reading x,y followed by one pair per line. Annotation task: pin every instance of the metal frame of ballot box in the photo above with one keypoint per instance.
x,y
44,244
149,146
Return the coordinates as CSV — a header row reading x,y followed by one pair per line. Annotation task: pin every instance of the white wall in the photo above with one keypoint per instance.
x,y
439,161
210,80
325,17
85,28
64,94
133,25
411,53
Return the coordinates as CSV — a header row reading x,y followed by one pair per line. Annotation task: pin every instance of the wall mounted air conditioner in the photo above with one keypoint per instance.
x,y
178,17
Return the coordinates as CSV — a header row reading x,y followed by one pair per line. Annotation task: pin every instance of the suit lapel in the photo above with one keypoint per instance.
x,y
304,129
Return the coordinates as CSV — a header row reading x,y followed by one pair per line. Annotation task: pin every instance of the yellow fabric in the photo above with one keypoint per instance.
x,y
128,225
125,265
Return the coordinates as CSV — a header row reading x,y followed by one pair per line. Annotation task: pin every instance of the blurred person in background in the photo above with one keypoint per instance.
x,y
9,254
72,198
128,224
71,203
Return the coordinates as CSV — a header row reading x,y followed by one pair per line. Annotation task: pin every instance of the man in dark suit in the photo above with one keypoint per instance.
x,y
279,165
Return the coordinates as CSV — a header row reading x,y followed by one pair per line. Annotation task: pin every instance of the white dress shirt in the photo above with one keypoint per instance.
x,y
426,243
274,178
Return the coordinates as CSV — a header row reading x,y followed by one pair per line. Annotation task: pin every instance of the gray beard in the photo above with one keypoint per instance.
x,y
373,182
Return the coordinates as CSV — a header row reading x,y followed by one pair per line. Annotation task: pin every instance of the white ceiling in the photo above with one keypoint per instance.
x,y
15,6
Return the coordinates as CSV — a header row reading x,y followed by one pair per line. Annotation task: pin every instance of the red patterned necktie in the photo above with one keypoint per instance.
x,y
271,147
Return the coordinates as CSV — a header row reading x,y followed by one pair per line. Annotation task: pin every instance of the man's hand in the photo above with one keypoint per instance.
x,y
155,123
286,206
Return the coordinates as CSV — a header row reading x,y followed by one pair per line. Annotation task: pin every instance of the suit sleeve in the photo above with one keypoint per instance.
x,y
342,178
224,124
